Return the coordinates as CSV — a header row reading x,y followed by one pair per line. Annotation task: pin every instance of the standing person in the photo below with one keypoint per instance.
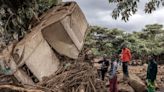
x,y
125,58
104,67
113,75
151,73
119,56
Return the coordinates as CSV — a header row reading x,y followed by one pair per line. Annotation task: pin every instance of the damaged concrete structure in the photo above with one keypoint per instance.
x,y
62,29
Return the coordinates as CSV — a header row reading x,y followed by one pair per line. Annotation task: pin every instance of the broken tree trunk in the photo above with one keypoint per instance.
x,y
17,88
137,84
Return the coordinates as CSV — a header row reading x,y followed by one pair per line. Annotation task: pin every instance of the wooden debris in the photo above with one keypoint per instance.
x,y
137,84
77,76
14,88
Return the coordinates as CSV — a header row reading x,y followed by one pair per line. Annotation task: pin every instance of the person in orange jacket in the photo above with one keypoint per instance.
x,y
125,58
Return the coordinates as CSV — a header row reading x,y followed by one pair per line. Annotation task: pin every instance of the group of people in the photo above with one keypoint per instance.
x,y
125,57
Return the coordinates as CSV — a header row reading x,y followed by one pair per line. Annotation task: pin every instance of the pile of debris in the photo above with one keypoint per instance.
x,y
56,34
35,58
74,77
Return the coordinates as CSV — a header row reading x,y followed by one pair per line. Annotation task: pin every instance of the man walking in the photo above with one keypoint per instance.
x,y
125,58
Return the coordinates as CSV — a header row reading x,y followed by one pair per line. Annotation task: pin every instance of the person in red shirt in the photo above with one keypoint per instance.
x,y
125,58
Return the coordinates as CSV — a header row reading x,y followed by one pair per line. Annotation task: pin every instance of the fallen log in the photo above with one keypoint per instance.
x,y
137,84
17,88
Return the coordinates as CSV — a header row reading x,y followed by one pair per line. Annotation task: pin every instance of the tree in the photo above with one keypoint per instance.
x,y
142,44
18,16
127,8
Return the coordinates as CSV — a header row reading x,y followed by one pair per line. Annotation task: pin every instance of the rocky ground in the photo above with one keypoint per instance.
x,y
140,71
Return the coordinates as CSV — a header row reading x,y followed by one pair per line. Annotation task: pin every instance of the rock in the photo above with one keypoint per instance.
x,y
137,84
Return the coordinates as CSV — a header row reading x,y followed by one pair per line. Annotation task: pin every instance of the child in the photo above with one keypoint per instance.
x,y
113,75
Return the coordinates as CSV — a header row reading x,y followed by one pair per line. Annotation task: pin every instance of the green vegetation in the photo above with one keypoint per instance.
x,y
108,41
18,16
126,8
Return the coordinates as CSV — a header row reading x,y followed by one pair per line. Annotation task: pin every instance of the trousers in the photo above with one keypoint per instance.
x,y
125,69
101,73
113,84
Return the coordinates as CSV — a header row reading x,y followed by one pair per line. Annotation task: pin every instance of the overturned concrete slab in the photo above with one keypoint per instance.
x,y
64,28
35,52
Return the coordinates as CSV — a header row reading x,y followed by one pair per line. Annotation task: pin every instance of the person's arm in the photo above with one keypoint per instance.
x,y
148,70
121,55
156,70
101,61
129,54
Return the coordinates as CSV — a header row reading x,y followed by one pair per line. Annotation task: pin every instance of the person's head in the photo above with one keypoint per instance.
x,y
104,57
124,46
152,57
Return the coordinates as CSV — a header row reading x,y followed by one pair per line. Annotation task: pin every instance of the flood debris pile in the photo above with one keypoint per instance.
x,y
57,34
74,77
35,60
48,59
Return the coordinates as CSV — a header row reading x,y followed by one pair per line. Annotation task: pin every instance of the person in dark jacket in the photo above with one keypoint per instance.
x,y
151,73
104,67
